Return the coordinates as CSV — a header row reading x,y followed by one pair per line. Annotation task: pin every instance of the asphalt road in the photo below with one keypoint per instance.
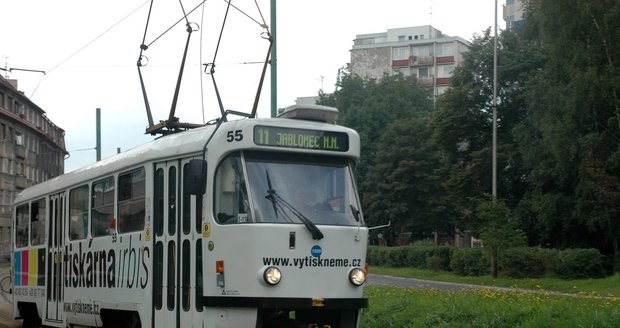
x,y
6,310
376,279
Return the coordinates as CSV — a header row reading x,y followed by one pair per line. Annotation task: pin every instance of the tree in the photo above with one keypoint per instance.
x,y
369,106
499,229
462,124
403,183
574,119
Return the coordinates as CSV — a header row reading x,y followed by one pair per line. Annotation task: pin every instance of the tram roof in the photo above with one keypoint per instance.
x,y
186,143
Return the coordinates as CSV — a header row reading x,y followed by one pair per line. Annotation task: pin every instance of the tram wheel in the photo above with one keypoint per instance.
x,y
28,311
120,319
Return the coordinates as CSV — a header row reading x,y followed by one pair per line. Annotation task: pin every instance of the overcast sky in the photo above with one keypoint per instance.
x,y
89,50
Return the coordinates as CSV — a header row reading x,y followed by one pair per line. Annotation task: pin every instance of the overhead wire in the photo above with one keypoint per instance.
x,y
177,22
264,25
86,45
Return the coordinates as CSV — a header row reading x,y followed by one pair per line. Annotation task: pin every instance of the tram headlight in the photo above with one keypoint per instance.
x,y
357,276
272,275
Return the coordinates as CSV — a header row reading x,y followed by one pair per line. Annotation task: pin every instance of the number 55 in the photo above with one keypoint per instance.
x,y
237,135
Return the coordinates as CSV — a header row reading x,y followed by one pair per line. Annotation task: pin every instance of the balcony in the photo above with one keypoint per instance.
x,y
445,60
443,81
421,61
20,151
400,63
20,182
427,81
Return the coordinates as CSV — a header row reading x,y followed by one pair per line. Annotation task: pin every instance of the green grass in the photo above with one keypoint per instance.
x,y
401,307
609,286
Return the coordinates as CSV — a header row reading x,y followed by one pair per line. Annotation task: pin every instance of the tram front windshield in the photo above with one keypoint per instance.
x,y
293,189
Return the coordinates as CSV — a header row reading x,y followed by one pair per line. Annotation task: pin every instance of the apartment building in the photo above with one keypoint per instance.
x,y
420,53
513,14
32,150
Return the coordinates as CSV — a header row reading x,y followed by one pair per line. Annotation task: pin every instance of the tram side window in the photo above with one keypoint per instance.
x,y
231,196
22,221
158,211
131,190
103,222
78,211
38,217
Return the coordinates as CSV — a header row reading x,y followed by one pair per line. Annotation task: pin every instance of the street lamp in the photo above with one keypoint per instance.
x,y
494,183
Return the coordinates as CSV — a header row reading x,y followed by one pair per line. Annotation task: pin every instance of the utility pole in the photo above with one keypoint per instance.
x,y
494,187
98,123
274,62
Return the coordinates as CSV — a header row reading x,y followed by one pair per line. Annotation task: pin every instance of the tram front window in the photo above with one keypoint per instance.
x,y
290,189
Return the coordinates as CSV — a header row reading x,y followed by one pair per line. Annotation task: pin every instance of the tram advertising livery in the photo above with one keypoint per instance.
x,y
243,223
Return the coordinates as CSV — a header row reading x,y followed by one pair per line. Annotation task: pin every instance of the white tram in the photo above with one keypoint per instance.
x,y
244,223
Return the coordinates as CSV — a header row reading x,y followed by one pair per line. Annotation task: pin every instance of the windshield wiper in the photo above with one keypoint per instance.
x,y
279,202
271,195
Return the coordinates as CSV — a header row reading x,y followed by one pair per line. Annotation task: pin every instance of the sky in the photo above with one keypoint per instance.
x,y
89,50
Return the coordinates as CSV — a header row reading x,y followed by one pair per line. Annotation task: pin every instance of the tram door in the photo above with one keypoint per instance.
x,y
55,244
177,249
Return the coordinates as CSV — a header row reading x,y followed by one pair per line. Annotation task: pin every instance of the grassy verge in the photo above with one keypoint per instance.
x,y
399,307
609,286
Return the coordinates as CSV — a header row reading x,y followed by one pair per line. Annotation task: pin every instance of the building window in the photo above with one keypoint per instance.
x,y
400,53
422,51
444,49
445,70
423,72
19,168
404,71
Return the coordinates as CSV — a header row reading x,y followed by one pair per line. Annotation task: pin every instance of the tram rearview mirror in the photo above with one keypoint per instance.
x,y
196,177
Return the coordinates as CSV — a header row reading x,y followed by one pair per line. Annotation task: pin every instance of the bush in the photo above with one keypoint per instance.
x,y
376,255
519,262
469,262
434,263
408,256
527,262
579,264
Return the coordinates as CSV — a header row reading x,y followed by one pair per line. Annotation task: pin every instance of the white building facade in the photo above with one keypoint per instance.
x,y
420,53
513,14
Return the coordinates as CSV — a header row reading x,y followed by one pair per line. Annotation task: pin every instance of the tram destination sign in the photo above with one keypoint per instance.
x,y
300,138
